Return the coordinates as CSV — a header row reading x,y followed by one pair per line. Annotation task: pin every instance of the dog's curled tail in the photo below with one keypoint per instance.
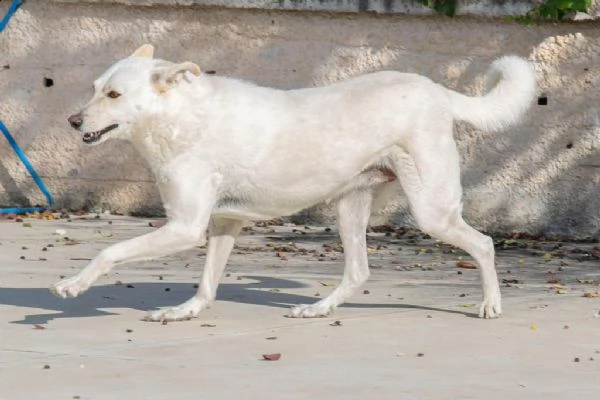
x,y
511,87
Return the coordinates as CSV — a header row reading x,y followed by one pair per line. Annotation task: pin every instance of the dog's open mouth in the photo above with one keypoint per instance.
x,y
91,137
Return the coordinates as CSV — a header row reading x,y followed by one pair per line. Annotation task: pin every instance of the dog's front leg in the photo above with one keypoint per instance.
x,y
188,221
222,234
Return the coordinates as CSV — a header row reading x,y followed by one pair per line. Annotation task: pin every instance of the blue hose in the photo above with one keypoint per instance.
x,y
22,210
36,178
11,10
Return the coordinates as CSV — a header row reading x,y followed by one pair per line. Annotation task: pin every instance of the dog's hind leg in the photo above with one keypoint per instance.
x,y
353,209
221,237
430,177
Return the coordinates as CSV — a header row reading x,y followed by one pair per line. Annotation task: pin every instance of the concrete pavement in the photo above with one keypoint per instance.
x,y
410,333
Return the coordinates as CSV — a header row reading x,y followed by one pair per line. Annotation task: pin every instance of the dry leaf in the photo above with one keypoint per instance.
x,y
561,291
466,265
272,357
38,326
591,294
586,281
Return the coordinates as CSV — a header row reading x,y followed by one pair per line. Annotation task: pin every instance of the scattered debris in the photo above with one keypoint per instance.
x,y
207,325
336,323
272,357
465,265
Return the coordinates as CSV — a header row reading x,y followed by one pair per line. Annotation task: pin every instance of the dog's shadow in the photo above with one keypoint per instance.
x,y
147,296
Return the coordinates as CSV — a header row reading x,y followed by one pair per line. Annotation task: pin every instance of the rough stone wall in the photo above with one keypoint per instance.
x,y
543,176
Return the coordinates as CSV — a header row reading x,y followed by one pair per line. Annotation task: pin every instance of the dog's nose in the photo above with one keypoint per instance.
x,y
76,120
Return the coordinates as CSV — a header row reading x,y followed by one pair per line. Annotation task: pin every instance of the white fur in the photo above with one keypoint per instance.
x,y
224,151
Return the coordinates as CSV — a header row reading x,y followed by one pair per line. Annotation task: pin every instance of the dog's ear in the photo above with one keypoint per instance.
x,y
169,77
145,51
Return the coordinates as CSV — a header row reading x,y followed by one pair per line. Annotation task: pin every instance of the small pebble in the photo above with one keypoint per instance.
x,y
22,257
130,286
167,289
44,249
420,354
23,248
336,323
129,330
366,291
46,366
576,359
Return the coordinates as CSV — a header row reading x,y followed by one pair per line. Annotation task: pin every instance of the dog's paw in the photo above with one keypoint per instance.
x,y
491,307
71,287
310,311
188,310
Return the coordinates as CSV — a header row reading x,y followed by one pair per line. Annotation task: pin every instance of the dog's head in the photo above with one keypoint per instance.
x,y
125,93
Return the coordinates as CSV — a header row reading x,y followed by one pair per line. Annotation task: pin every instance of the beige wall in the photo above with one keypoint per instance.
x,y
542,176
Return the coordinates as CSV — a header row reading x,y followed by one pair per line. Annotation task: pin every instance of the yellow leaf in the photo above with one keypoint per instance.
x,y
561,291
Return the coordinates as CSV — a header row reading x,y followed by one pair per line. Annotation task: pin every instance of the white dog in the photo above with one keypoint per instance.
x,y
225,151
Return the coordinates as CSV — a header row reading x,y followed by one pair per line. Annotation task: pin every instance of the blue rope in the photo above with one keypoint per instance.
x,y
34,174
11,10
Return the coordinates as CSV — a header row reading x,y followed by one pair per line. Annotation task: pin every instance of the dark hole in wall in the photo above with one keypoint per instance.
x,y
543,101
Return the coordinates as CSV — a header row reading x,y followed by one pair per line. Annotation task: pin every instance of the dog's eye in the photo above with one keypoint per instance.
x,y
113,94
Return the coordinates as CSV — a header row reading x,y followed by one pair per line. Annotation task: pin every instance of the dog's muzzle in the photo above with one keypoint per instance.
x,y
91,137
